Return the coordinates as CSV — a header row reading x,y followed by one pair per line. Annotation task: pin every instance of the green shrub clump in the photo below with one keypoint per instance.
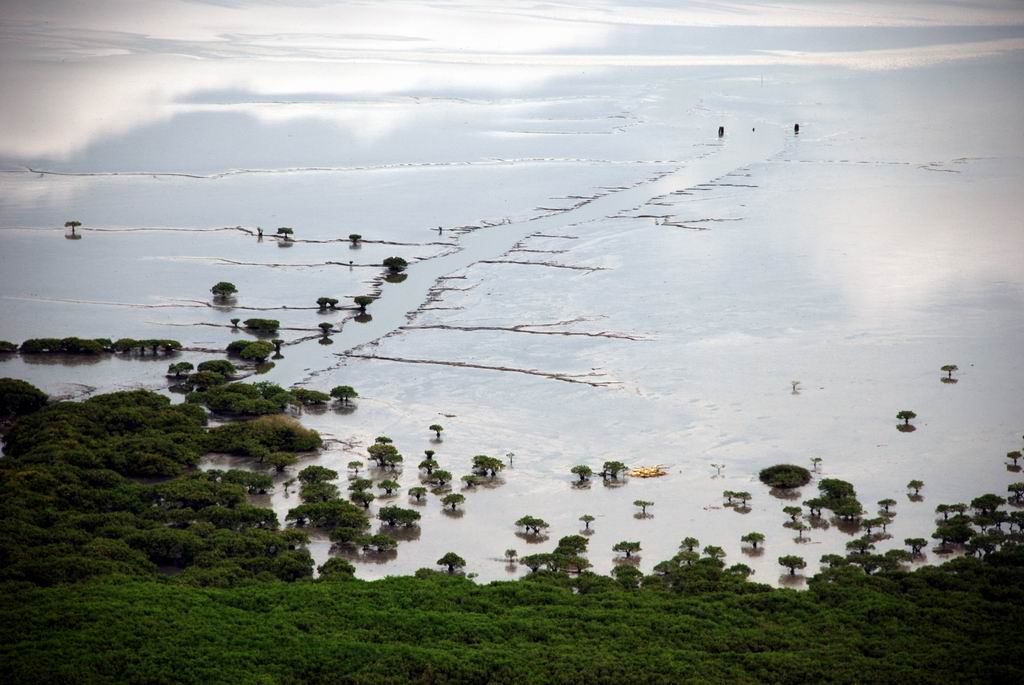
x,y
244,399
785,476
66,345
309,398
251,350
263,325
18,398
155,345
221,366
269,433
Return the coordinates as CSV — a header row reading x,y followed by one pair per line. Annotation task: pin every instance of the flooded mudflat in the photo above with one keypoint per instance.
x,y
611,280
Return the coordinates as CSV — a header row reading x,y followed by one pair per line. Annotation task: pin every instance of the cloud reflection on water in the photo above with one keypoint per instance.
x,y
79,73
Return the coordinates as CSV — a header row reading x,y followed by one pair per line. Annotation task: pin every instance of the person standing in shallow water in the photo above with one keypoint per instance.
x,y
721,131
796,129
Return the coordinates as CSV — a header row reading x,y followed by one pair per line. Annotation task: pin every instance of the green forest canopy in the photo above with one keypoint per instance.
x,y
85,597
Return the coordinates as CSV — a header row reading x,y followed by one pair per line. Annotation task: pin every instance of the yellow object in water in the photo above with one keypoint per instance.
x,y
648,471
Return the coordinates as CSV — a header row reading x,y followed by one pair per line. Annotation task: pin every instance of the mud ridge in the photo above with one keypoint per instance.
x,y
528,328
180,304
564,377
548,235
553,265
306,265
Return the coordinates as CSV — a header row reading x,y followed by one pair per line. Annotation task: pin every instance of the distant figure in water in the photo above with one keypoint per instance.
x,y
259,233
439,229
350,263
721,131
796,129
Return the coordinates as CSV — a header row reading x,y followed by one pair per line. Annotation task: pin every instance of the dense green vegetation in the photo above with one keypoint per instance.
x,y
72,507
949,625
134,433
108,577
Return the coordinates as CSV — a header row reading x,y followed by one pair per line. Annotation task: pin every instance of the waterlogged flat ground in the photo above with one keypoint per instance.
x,y
575,169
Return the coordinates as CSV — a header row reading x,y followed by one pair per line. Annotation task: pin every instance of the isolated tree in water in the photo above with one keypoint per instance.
x,y
73,224
487,466
643,504
612,469
792,562
753,539
916,486
626,547
532,524
905,416
224,289
354,238
584,472
452,561
586,519
362,301
343,393
437,428
949,369
324,302
453,500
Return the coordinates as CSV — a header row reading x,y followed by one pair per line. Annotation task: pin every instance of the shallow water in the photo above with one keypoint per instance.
x,y
574,169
